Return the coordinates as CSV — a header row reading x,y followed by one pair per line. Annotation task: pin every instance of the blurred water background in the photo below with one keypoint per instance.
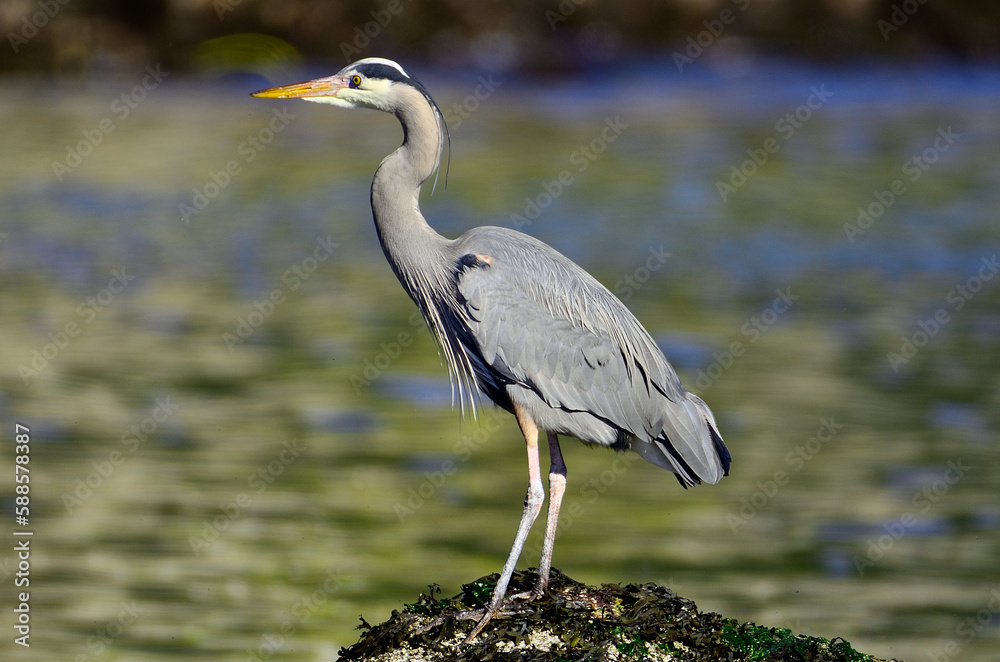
x,y
242,437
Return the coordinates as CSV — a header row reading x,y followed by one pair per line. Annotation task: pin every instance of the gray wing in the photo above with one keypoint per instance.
x,y
544,323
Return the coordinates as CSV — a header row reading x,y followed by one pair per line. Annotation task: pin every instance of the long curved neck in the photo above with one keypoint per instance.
x,y
423,260
415,251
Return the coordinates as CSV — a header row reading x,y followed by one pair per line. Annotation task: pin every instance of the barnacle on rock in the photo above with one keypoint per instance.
x,y
573,621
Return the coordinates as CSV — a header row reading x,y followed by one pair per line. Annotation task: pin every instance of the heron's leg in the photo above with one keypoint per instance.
x,y
557,487
532,506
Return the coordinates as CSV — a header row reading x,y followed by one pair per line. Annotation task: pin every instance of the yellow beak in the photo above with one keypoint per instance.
x,y
321,87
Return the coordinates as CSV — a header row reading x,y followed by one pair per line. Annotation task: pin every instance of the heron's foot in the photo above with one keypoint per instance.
x,y
540,588
515,604
494,609
521,596
463,615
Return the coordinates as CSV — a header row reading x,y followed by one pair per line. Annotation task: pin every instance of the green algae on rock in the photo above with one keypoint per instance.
x,y
578,622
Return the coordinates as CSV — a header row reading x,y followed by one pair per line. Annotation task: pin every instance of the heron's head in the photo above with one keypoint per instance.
x,y
373,82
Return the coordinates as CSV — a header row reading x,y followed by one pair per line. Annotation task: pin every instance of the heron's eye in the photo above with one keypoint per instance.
x,y
355,80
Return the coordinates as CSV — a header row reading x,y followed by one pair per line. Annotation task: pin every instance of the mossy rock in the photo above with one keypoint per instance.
x,y
578,622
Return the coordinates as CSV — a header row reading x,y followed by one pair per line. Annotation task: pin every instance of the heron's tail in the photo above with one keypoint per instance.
x,y
689,445
720,446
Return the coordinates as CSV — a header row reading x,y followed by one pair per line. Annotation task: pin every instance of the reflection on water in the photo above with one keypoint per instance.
x,y
241,442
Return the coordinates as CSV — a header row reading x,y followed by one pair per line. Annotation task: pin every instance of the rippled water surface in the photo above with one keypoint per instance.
x,y
242,438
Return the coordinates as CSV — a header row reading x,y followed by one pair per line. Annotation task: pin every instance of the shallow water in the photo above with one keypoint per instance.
x,y
242,437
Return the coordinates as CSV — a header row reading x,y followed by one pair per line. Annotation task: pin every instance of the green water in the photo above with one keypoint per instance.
x,y
242,438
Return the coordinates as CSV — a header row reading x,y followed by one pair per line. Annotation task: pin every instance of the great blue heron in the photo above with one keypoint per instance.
x,y
520,322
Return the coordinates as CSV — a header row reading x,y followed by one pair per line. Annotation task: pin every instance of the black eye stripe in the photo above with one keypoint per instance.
x,y
377,70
